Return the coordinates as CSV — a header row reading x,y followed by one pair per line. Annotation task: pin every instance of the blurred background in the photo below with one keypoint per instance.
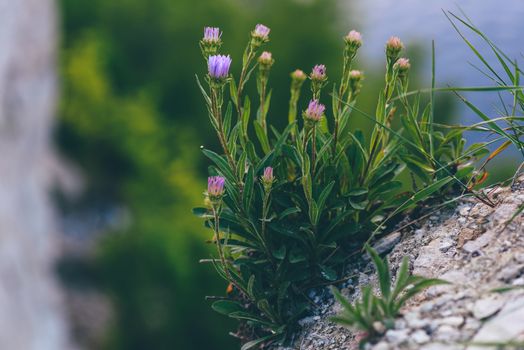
x,y
124,167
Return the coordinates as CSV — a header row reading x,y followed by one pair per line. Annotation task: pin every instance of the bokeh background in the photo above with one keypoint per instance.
x,y
131,119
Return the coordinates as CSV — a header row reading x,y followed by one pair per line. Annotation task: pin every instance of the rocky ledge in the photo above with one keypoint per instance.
x,y
471,246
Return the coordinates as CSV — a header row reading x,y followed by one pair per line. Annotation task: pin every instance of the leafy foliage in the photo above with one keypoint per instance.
x,y
333,190
373,313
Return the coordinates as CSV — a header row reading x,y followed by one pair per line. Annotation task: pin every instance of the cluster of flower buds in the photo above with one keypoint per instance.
x,y
318,78
355,81
314,112
218,68
215,189
268,178
259,36
353,42
265,61
393,48
211,42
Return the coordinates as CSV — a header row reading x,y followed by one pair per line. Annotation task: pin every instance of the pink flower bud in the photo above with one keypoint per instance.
x,y
266,59
353,38
268,177
393,47
403,64
215,187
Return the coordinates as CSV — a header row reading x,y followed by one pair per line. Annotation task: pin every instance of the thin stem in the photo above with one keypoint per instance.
x,y
241,82
217,114
313,151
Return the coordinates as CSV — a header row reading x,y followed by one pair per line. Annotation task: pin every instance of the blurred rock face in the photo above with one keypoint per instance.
x,y
31,315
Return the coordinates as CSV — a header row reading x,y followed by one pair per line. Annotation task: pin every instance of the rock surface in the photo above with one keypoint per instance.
x,y
471,246
31,311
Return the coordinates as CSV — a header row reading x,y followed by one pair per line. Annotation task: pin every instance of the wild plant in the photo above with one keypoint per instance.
x,y
288,208
375,314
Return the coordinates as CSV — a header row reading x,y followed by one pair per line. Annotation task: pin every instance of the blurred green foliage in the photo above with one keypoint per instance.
x,y
131,117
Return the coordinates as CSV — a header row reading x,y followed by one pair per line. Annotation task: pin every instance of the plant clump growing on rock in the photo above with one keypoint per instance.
x,y
288,207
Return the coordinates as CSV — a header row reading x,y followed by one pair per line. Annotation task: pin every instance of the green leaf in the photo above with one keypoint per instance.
x,y
246,112
256,342
328,273
233,91
289,211
249,184
226,307
221,163
262,137
202,213
382,267
280,253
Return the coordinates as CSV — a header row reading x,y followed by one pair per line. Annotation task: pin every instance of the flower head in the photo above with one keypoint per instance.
x,y
266,60
268,178
212,35
261,32
215,187
393,47
314,111
402,65
354,39
218,66
298,75
355,81
211,41
318,73
259,36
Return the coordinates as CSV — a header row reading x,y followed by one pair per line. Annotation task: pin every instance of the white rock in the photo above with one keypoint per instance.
x,y
488,306
505,326
414,320
397,336
453,321
381,346
420,337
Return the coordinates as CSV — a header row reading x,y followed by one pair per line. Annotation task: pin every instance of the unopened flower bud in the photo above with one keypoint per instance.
x,y
259,35
218,67
393,48
355,81
268,178
211,41
353,40
298,75
402,65
212,35
314,111
266,60
215,188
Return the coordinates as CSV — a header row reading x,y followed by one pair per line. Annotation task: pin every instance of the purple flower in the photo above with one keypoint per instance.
x,y
314,111
218,66
215,186
318,73
268,177
261,32
212,35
